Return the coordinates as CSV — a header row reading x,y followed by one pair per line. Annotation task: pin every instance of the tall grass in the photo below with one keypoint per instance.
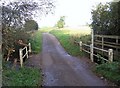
x,y
36,41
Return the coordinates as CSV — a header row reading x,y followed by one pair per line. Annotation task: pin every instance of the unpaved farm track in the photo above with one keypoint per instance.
x,y
61,69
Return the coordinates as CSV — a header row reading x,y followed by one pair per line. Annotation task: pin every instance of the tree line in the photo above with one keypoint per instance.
x,y
106,18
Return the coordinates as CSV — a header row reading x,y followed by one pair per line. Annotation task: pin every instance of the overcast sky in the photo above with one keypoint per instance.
x,y
77,12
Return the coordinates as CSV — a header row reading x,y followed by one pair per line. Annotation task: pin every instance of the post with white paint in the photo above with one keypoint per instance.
x,y
29,47
92,44
80,43
21,59
91,52
110,55
26,51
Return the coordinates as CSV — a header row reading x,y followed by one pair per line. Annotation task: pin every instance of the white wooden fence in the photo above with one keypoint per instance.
x,y
27,50
109,51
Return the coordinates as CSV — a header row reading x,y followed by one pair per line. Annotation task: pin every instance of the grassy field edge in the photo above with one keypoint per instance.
x,y
64,38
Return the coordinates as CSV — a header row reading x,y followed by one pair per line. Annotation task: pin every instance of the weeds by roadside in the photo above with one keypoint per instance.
x,y
111,71
21,77
36,41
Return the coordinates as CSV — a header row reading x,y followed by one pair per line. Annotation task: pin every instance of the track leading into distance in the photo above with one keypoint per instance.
x,y
61,69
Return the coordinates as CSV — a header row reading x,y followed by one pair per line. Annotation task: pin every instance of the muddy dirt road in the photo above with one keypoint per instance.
x,y
61,69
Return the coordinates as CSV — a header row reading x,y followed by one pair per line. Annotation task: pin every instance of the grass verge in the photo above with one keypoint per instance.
x,y
22,77
36,41
66,38
111,71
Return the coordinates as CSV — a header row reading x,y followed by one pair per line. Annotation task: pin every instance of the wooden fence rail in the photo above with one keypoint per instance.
x,y
27,50
108,41
109,51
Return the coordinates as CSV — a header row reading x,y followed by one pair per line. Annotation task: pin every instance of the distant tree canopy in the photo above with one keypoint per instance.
x,y
106,18
61,22
31,25
16,13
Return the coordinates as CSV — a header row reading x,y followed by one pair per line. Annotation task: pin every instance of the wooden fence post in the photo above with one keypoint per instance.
x,y
102,42
92,45
91,52
110,55
117,44
29,47
80,43
26,52
21,59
